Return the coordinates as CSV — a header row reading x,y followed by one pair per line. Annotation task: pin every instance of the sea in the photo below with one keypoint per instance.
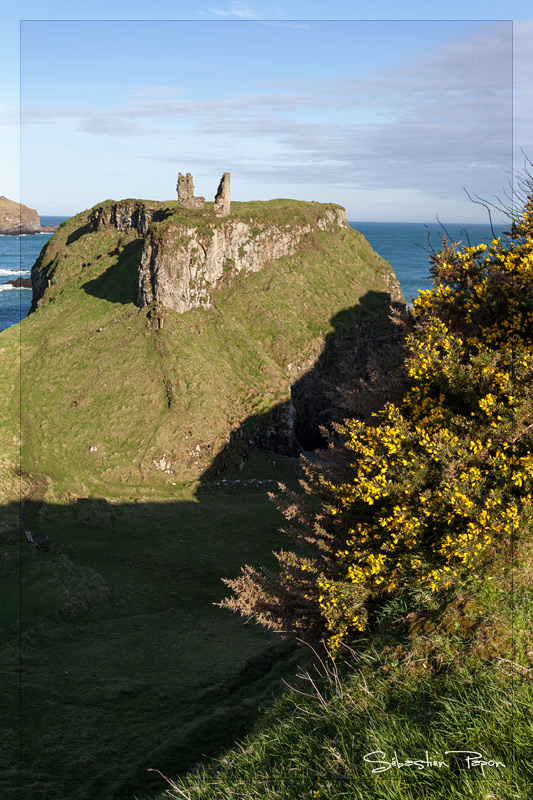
x,y
17,256
404,245
407,246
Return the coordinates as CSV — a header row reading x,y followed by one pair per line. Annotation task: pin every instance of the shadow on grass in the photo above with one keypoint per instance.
x,y
316,395
117,656
120,282
116,659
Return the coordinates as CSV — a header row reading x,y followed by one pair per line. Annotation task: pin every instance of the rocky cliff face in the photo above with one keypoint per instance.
x,y
17,219
188,254
126,216
181,264
173,389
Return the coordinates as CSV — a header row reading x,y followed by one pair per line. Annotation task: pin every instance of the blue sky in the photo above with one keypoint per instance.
x,y
389,117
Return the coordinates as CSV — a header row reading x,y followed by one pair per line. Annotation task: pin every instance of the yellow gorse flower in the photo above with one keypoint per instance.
x,y
440,480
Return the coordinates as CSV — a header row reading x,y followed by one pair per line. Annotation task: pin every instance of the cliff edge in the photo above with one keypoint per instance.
x,y
168,343
184,254
16,219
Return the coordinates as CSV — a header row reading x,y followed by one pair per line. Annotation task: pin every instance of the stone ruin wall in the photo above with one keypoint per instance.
x,y
222,201
185,188
186,198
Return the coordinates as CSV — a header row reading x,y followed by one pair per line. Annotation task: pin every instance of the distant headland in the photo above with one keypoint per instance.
x,y
16,219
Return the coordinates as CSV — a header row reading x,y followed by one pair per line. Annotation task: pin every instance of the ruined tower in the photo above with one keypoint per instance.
x,y
222,201
186,198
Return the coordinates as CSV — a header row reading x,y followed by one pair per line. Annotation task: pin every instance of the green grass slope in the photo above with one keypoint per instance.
x,y
428,679
107,400
115,658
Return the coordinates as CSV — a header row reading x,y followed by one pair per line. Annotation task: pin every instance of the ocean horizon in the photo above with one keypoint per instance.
x,y
403,244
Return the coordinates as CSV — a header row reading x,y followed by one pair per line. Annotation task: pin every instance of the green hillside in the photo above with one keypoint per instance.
x,y
143,443
96,374
410,558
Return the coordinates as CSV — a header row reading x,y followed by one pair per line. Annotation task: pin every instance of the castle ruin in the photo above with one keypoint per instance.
x,y
222,205
186,198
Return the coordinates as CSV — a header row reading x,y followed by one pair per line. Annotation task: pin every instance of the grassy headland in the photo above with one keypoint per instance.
x,y
110,433
95,374
414,564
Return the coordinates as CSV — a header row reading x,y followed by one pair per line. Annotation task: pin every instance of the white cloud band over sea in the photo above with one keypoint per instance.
x,y
441,118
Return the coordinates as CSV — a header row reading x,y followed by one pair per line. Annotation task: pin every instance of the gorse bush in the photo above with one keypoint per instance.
x,y
430,489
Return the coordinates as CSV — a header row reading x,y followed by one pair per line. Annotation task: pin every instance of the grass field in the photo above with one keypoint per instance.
x,y
124,661
116,658
421,683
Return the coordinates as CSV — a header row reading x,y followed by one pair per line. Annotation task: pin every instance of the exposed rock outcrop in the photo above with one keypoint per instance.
x,y
16,219
20,283
181,264
126,215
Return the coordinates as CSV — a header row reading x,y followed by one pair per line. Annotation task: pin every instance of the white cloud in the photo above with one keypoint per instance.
x,y
430,125
237,10
523,85
106,125
10,115
244,11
